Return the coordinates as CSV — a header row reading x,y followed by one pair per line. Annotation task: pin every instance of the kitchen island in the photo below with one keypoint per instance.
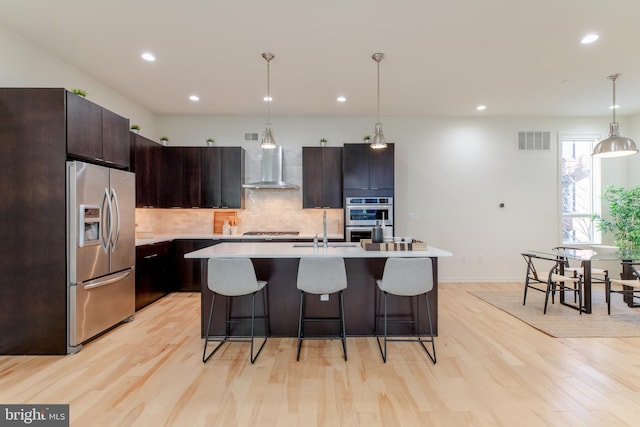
x,y
277,263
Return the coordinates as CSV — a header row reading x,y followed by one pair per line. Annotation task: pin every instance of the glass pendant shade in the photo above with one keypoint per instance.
x,y
614,145
268,139
378,140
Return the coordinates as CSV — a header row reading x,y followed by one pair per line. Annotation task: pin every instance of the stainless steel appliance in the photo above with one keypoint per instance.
x,y
362,213
101,250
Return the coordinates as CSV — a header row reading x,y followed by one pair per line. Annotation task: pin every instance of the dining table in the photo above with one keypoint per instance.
x,y
586,257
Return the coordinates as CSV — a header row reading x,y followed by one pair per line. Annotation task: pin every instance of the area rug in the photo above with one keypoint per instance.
x,y
565,322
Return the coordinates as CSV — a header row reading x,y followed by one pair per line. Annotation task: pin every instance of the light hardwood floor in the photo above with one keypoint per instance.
x,y
492,370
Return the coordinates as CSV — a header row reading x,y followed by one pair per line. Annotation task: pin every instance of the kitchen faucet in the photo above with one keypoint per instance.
x,y
325,241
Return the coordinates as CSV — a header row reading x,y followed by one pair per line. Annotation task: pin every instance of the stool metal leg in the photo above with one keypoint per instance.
x,y
383,352
383,348
206,338
343,328
300,325
433,340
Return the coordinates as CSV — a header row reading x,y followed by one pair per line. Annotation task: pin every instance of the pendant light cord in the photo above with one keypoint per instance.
x,y
268,95
378,91
613,79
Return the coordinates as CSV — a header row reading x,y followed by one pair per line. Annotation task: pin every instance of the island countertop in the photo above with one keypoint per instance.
x,y
294,250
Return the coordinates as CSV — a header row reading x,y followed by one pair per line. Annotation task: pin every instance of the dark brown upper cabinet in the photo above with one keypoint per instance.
x,y
222,177
95,133
367,169
191,177
171,179
322,177
145,162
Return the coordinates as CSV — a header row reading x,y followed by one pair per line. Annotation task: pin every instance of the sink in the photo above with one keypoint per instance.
x,y
330,244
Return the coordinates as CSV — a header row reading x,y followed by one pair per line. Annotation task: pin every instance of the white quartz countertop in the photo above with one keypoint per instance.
x,y
289,250
157,238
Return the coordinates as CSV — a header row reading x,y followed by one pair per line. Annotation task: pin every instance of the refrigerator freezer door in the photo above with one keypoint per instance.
x,y
100,304
88,186
123,233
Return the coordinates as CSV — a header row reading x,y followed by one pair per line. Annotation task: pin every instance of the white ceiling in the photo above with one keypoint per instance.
x,y
442,57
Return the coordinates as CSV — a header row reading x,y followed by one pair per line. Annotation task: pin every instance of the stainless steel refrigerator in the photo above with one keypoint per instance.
x,y
101,250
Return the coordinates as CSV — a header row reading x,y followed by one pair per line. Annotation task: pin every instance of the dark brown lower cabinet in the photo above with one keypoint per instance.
x,y
188,275
154,272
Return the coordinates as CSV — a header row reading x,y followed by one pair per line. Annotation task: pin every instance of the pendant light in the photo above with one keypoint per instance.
x,y
614,145
378,140
268,140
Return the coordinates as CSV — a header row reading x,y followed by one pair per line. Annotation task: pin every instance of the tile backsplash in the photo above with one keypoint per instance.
x,y
265,210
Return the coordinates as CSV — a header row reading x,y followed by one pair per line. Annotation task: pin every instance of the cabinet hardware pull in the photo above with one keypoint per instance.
x,y
151,256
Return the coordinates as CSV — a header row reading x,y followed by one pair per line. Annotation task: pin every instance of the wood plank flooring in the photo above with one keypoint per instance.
x,y
492,370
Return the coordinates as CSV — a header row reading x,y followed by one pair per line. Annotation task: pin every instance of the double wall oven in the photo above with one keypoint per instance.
x,y
362,214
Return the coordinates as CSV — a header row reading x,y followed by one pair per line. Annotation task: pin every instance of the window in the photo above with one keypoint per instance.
x,y
580,182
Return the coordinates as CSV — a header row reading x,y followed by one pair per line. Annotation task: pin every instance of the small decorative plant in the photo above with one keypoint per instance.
x,y
624,211
366,138
211,140
164,139
323,141
135,127
79,92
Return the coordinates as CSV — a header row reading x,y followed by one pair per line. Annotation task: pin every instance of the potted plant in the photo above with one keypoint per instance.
x,y
164,140
80,92
367,138
135,128
210,142
624,211
323,141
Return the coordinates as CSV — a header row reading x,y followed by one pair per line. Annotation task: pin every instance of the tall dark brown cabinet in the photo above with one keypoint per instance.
x,y
145,162
36,125
322,177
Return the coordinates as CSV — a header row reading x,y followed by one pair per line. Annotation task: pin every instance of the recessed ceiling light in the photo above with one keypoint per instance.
x,y
481,107
267,99
148,56
341,99
194,98
589,38
613,107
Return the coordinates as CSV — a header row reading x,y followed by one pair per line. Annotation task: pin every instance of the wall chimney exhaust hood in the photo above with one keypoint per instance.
x,y
271,171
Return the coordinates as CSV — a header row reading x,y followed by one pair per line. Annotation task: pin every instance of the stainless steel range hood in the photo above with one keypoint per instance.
x,y
271,171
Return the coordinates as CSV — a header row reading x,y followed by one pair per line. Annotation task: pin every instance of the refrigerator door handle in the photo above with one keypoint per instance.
x,y
104,226
109,218
116,235
108,281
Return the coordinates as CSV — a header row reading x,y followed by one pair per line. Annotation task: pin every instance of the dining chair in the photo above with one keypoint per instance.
x,y
405,277
321,276
626,287
233,278
598,275
549,271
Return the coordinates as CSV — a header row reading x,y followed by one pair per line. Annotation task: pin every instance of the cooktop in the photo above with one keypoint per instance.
x,y
271,233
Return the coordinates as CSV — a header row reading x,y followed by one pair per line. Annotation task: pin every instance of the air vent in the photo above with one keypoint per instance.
x,y
251,137
534,141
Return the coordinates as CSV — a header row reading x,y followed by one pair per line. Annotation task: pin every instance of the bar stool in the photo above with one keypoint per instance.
x,y
406,277
321,276
234,277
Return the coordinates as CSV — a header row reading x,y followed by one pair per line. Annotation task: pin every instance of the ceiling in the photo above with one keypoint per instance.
x,y
443,58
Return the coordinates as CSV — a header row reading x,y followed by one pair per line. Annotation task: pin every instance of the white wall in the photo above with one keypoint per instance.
x,y
26,65
452,173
